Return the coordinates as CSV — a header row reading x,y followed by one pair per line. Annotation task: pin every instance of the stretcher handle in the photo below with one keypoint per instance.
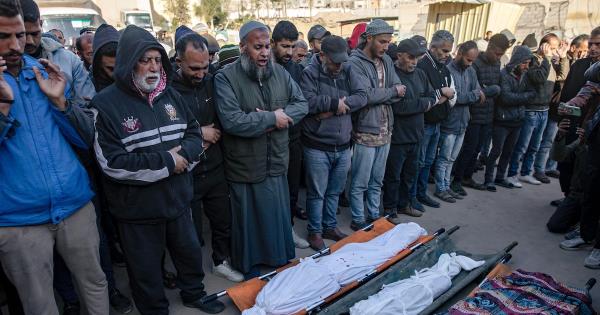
x,y
434,235
506,258
453,229
212,297
590,284
511,246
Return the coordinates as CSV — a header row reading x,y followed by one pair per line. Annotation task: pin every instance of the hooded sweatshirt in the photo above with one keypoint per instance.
x,y
467,94
516,91
134,133
105,34
488,74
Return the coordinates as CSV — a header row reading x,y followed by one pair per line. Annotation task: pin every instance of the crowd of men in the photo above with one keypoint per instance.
x,y
115,153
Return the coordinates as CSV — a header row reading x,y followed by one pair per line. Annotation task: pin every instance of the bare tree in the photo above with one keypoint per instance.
x,y
178,9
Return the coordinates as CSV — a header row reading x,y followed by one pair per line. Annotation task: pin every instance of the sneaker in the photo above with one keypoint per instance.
x,y
355,226
212,307
454,194
316,241
575,244
444,196
299,242
529,180
557,202
391,213
490,187
334,234
573,233
224,270
71,309
553,173
426,200
457,188
120,302
415,204
593,260
514,182
542,177
409,211
473,184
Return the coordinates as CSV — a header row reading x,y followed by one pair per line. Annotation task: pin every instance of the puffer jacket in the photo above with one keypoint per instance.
x,y
488,75
516,91
467,94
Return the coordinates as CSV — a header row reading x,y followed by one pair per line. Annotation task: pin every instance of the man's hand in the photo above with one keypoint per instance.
x,y
447,92
563,126
400,89
545,50
54,86
282,120
211,134
180,162
562,50
6,93
342,107
441,100
481,97
580,133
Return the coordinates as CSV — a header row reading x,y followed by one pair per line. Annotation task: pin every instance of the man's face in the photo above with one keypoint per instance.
x,y
331,67
299,54
87,52
283,50
59,35
12,40
442,51
194,64
407,62
315,45
554,44
579,51
466,60
594,48
522,67
107,64
379,44
147,70
494,53
257,47
34,36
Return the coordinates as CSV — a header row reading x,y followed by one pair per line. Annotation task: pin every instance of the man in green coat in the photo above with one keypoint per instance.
x,y
257,102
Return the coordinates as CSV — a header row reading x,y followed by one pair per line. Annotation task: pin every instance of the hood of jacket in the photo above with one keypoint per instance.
x,y
49,45
105,34
519,55
356,32
133,43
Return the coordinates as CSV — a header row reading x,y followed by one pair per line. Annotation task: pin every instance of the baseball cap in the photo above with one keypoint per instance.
x,y
336,48
317,32
411,47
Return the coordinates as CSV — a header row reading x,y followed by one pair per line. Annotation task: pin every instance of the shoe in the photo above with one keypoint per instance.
x,y
457,188
503,183
593,260
473,184
391,213
514,181
212,307
443,195
169,280
333,234
575,233
542,178
71,309
529,180
120,302
409,211
316,241
490,187
553,173
299,242
557,202
224,270
301,214
454,194
415,204
355,226
426,200
575,244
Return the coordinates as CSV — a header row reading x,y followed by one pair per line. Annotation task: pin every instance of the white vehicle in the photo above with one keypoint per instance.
x,y
69,20
139,18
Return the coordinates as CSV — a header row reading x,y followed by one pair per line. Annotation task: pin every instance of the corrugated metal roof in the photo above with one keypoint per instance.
x,y
462,1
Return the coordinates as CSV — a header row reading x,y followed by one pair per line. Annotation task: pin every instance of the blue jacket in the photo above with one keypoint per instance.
x,y
42,179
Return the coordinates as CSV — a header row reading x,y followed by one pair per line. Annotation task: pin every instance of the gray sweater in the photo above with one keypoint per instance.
x,y
467,92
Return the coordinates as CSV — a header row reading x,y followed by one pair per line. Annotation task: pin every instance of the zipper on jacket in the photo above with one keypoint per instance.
x,y
202,165
262,93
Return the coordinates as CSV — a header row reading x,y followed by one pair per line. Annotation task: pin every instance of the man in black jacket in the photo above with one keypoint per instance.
x,y
211,193
402,161
147,142
333,92
283,39
434,65
487,67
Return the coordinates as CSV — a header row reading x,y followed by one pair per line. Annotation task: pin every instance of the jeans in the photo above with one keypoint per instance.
x,y
27,254
473,141
542,162
450,145
528,144
400,174
503,143
326,174
427,152
368,169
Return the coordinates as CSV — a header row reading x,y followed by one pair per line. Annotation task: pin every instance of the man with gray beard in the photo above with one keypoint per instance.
x,y
147,142
257,102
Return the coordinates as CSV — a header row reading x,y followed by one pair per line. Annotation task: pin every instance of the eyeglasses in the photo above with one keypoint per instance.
x,y
146,60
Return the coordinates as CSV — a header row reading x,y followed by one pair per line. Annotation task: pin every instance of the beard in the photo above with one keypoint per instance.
x,y
140,81
253,71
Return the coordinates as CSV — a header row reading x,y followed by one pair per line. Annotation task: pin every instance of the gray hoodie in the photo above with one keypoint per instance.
x,y
368,119
467,93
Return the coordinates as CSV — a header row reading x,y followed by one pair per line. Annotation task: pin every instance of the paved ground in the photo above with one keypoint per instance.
x,y
488,222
